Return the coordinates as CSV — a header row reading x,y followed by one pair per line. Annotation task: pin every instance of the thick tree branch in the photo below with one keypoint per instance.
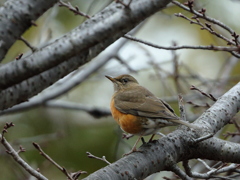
x,y
65,84
16,17
96,112
179,145
217,149
56,60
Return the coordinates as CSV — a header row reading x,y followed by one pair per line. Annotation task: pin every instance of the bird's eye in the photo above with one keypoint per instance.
x,y
124,80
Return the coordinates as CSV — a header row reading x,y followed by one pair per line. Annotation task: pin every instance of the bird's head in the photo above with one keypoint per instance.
x,y
124,81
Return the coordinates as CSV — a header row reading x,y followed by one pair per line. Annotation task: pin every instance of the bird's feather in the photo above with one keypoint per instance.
x,y
139,101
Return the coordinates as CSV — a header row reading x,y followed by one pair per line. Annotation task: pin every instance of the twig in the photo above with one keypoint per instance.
x,y
198,140
16,157
205,164
76,175
96,112
27,44
179,172
21,149
225,72
158,71
124,63
236,124
197,105
19,56
7,126
210,96
125,5
207,27
98,158
176,73
73,9
210,47
201,14
231,134
52,161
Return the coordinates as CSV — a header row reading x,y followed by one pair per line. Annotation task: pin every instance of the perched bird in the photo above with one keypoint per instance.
x,y
138,111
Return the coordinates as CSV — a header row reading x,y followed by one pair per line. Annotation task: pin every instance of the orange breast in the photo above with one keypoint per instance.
x,y
128,123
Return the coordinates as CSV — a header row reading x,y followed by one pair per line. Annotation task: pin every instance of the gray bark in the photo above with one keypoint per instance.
x,y
16,17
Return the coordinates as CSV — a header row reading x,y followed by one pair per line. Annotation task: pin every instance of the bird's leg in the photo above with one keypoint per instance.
x,y
150,140
127,136
134,149
158,133
143,141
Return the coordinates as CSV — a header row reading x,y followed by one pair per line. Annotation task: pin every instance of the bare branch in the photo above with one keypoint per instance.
x,y
62,169
210,47
98,158
179,172
211,173
202,15
19,160
77,78
207,27
73,9
27,44
210,96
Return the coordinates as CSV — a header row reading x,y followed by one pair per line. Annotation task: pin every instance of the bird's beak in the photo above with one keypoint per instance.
x,y
111,79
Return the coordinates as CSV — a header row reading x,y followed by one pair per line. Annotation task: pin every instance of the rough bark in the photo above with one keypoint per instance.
x,y
16,17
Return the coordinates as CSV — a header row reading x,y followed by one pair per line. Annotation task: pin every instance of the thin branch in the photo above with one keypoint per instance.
x,y
211,173
210,96
125,64
62,169
179,172
17,158
27,44
125,5
202,138
202,15
231,134
210,47
205,164
73,9
19,56
6,126
206,105
206,27
96,112
98,158
176,73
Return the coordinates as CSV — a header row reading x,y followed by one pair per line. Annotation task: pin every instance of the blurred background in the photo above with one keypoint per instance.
x,y
67,134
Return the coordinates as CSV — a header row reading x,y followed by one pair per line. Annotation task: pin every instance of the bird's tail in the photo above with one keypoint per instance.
x,y
184,123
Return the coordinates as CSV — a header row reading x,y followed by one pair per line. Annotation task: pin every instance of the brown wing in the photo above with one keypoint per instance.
x,y
139,101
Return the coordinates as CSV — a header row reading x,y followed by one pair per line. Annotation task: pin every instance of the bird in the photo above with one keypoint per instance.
x,y
138,111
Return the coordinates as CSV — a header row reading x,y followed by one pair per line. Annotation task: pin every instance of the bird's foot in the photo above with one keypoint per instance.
x,y
127,136
160,134
143,141
130,152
